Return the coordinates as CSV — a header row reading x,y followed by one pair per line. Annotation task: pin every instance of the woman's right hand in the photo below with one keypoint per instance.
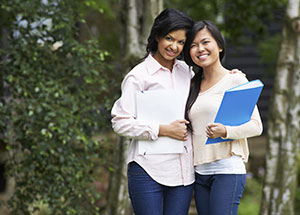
x,y
176,130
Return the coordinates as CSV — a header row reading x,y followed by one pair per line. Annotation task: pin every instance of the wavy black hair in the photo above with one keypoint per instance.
x,y
196,80
167,21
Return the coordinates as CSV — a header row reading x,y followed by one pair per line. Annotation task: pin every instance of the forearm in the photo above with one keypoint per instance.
x,y
132,128
250,129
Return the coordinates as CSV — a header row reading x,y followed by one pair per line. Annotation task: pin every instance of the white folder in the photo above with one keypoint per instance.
x,y
160,107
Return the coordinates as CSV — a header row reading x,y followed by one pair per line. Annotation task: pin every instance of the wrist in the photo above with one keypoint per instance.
x,y
163,130
225,132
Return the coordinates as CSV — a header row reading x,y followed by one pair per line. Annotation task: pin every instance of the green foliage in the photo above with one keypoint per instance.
x,y
101,23
297,198
54,95
239,20
198,9
269,51
250,18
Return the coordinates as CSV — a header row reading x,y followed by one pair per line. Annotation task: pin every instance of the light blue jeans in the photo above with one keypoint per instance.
x,y
151,198
219,194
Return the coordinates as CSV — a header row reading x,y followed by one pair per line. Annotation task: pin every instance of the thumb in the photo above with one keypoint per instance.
x,y
213,124
183,121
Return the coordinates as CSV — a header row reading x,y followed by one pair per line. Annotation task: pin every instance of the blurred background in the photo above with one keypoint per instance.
x,y
62,63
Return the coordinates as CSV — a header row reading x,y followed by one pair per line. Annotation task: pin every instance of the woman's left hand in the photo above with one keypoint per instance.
x,y
214,130
234,71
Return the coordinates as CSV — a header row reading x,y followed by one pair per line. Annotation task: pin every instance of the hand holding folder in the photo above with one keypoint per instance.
x,y
237,106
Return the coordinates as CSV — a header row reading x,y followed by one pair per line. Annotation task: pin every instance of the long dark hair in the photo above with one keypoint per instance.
x,y
167,21
196,80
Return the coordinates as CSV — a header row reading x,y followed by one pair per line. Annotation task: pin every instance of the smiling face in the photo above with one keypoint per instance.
x,y
204,49
169,47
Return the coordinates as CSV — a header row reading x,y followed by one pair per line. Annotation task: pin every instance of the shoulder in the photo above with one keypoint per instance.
x,y
138,69
136,76
137,72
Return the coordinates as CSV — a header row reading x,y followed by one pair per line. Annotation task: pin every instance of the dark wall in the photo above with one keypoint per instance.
x,y
246,58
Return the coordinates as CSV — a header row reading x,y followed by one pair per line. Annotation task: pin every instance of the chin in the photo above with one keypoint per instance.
x,y
170,58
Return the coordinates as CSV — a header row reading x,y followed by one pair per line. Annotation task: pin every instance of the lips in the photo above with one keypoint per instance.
x,y
171,53
203,56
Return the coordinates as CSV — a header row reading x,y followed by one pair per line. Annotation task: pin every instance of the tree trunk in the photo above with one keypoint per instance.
x,y
136,18
282,157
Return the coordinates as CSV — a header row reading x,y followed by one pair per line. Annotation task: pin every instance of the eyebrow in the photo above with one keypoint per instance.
x,y
169,35
206,38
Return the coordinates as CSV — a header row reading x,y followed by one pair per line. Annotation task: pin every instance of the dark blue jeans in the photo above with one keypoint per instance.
x,y
151,198
219,194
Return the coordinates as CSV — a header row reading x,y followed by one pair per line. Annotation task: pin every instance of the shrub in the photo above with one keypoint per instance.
x,y
54,93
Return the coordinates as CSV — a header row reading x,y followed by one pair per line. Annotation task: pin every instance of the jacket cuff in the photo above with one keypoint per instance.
x,y
155,128
228,133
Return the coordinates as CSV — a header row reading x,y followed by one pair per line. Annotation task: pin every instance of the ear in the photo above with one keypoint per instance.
x,y
220,50
157,38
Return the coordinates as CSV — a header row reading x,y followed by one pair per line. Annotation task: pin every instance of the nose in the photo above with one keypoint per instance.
x,y
174,46
200,47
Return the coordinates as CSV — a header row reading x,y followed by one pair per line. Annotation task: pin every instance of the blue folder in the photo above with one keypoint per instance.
x,y
237,106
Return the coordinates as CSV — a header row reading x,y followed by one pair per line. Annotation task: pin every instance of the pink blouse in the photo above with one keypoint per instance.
x,y
166,169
